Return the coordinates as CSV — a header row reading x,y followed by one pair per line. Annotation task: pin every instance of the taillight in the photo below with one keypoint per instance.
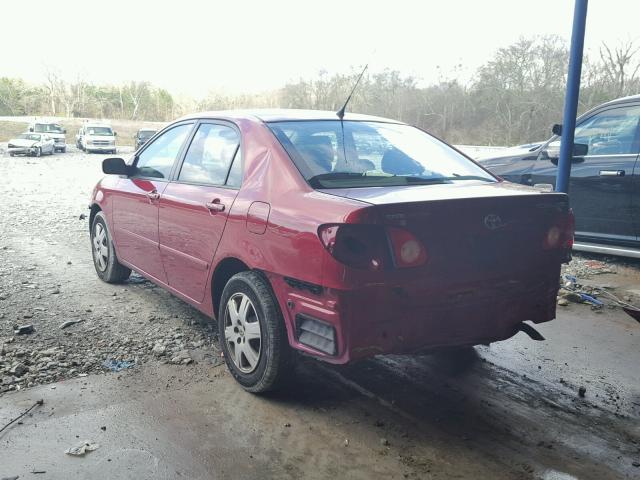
x,y
569,230
408,251
560,234
372,247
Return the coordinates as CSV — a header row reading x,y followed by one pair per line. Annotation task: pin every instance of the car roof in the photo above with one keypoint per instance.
x,y
284,114
630,98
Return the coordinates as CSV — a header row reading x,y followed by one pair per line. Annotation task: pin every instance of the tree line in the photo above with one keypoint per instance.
x,y
513,98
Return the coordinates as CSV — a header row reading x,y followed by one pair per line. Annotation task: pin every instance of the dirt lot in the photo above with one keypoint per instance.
x,y
508,411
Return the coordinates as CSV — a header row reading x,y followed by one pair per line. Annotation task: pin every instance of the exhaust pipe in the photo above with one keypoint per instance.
x,y
532,332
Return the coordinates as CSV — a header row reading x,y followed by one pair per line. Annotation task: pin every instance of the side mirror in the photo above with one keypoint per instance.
x,y
115,166
31,129
557,129
115,134
552,151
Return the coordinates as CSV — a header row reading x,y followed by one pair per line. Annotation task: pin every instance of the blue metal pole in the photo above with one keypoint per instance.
x,y
571,97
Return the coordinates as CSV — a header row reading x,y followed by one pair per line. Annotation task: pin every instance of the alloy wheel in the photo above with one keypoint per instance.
x,y
242,333
100,247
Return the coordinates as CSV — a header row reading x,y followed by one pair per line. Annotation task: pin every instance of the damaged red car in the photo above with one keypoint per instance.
x,y
339,238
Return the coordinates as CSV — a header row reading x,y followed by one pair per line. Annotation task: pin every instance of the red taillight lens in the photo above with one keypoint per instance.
x,y
560,234
358,246
408,251
367,246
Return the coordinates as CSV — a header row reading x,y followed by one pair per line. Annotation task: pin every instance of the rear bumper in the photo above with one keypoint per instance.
x,y
406,318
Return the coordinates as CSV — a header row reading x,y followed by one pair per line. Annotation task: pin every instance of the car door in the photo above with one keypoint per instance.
x,y
194,207
635,199
48,143
601,183
135,207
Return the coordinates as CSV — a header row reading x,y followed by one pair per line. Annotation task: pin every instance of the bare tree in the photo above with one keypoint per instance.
x,y
619,65
53,84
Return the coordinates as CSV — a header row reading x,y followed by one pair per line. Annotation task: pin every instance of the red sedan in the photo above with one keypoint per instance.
x,y
341,239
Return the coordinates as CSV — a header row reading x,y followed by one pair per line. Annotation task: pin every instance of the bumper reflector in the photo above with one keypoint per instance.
x,y
316,334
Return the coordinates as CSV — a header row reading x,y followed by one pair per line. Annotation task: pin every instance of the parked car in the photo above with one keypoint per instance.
x,y
96,137
605,176
142,136
54,130
342,240
28,143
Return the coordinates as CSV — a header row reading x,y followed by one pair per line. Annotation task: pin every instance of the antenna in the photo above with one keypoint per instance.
x,y
340,113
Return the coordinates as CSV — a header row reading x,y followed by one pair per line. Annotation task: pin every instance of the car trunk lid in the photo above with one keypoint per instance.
x,y
472,231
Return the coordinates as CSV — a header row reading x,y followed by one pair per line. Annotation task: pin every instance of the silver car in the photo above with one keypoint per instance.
x,y
29,143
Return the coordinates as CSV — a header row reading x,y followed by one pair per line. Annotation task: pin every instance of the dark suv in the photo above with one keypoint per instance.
x,y
142,135
605,176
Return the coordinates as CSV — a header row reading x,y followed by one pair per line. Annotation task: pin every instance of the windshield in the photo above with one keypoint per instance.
x,y
371,154
102,131
146,133
47,128
30,136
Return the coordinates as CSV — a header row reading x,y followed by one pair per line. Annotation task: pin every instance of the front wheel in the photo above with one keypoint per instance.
x,y
252,334
38,152
108,268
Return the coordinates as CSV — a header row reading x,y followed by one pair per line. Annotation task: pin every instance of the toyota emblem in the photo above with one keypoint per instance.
x,y
493,221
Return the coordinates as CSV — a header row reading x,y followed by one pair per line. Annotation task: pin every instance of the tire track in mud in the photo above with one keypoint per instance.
x,y
488,408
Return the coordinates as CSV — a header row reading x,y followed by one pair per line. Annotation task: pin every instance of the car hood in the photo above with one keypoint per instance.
x,y
426,193
22,142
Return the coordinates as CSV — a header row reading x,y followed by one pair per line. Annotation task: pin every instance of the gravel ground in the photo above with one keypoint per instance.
x,y
562,409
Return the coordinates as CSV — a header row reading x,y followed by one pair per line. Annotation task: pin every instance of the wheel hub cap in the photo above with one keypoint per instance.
x,y
242,333
100,248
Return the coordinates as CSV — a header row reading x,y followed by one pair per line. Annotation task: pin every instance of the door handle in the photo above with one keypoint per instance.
x,y
612,173
215,206
154,195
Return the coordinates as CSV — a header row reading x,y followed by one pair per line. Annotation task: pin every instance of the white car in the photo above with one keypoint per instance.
x,y
54,130
29,143
96,137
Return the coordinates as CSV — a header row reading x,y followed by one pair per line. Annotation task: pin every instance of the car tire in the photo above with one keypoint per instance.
x,y
63,150
11,154
38,152
105,260
254,339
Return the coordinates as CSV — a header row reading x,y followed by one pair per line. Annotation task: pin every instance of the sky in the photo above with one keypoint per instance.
x,y
193,47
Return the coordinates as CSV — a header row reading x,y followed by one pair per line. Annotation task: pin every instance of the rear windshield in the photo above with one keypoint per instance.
x,y
371,154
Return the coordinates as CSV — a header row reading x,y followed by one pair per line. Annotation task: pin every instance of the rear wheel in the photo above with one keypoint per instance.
x,y
252,334
105,260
